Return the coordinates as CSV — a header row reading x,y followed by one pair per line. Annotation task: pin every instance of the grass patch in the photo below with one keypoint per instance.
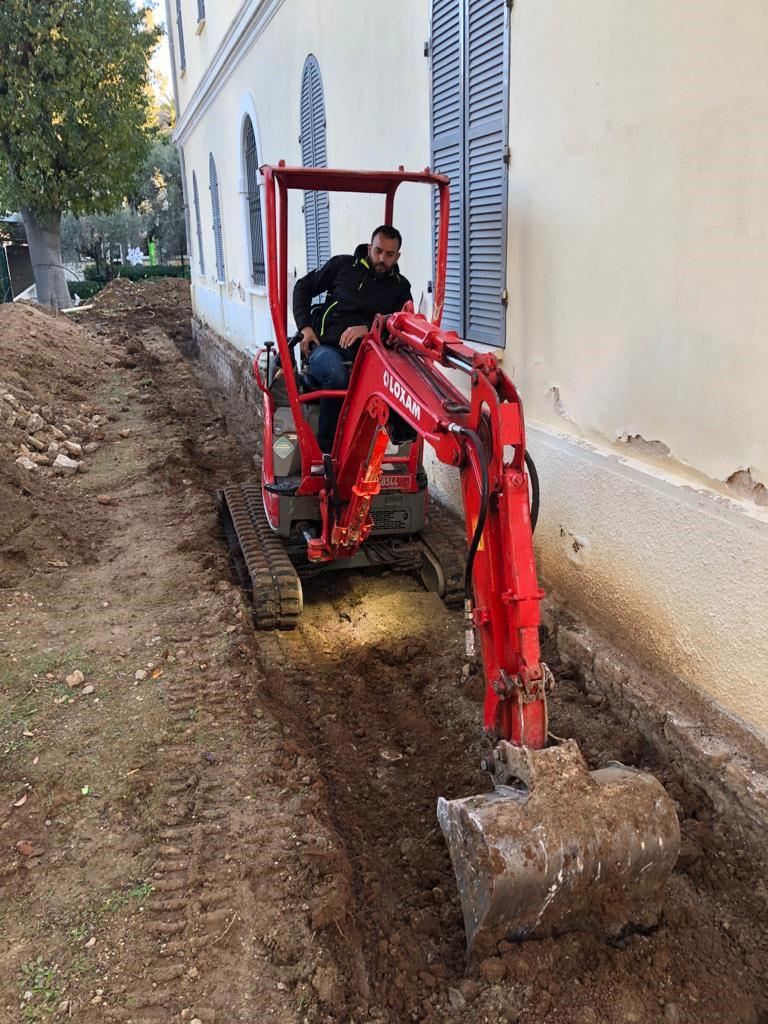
x,y
38,990
56,660
119,899
16,718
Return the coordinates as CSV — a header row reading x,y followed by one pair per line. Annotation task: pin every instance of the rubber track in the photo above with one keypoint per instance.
x,y
276,586
446,538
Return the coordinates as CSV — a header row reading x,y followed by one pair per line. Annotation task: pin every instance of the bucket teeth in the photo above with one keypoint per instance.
x,y
564,849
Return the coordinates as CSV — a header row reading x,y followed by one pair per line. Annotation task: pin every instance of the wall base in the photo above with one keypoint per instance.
x,y
230,367
725,759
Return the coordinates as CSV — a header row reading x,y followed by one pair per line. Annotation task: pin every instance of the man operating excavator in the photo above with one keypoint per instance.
x,y
357,288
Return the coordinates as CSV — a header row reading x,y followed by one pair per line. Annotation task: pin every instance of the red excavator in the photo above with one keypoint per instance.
x,y
553,847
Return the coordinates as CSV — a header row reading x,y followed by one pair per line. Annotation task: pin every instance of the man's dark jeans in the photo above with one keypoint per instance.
x,y
326,366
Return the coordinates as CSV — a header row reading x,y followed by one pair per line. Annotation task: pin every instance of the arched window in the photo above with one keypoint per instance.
x,y
258,270
198,224
470,83
313,154
213,182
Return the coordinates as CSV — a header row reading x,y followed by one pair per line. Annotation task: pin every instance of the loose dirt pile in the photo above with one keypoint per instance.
x,y
128,306
202,824
48,432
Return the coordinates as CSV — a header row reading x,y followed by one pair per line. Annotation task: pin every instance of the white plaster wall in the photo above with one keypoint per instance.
x,y
639,223
678,575
201,39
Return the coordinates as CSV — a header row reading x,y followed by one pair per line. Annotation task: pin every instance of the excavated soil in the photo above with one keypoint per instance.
x,y
220,826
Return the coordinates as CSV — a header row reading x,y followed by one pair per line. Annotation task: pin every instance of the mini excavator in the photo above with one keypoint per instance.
x,y
554,847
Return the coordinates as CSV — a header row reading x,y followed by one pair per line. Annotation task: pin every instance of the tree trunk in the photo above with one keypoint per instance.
x,y
44,237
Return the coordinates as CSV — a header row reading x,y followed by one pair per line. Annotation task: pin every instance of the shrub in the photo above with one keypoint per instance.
x,y
91,273
85,289
160,270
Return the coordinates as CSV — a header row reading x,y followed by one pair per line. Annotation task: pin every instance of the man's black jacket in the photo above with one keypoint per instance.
x,y
355,294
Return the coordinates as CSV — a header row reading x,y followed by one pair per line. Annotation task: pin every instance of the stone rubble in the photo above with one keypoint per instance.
x,y
47,439
64,465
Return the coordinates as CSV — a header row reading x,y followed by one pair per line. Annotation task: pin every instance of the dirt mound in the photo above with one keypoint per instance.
x,y
44,355
48,368
164,302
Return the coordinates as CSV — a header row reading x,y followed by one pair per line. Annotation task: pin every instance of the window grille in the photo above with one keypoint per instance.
x,y
258,269
317,219
216,210
198,224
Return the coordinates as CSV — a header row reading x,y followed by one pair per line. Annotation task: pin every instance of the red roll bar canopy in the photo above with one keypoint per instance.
x,y
327,179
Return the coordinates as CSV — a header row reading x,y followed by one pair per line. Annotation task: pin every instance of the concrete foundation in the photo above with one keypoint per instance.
x,y
230,367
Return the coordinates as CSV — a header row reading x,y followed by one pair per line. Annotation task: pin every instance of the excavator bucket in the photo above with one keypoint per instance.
x,y
557,848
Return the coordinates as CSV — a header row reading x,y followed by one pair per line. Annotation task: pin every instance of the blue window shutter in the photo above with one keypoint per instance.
x,y
486,172
201,10
447,130
469,54
314,154
216,210
198,224
180,34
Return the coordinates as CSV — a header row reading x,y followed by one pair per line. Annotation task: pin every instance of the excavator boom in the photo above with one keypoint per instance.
x,y
554,847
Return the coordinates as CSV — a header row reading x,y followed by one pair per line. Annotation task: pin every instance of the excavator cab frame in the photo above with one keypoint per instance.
x,y
279,180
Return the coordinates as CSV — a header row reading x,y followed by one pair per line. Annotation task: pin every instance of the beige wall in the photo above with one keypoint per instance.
x,y
637,274
639,306
639,224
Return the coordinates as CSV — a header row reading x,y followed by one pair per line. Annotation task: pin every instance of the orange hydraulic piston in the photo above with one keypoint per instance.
x,y
364,491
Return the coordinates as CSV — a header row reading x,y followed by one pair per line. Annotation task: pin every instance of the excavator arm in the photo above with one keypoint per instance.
x,y
555,847
400,368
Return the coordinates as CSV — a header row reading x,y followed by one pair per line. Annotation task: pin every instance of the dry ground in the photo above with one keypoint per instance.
x,y
234,828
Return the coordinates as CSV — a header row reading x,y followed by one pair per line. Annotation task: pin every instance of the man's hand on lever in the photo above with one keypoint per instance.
x,y
308,339
351,335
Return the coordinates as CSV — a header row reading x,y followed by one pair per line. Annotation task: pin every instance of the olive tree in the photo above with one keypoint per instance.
x,y
73,117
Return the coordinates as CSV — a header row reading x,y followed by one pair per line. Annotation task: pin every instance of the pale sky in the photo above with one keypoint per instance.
x,y
161,62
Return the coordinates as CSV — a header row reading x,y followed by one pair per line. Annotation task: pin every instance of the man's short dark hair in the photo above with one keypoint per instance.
x,y
389,232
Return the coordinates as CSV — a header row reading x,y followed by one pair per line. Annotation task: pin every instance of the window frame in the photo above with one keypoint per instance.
x,y
198,225
257,259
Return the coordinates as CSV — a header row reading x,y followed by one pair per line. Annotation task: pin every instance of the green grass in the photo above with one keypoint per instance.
x,y
16,718
114,393
53,659
38,977
118,900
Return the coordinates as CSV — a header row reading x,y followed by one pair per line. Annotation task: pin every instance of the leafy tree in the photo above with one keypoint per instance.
x,y
155,210
102,236
161,199
73,116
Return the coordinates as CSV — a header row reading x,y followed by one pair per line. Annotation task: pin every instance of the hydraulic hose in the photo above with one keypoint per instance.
x,y
482,515
482,460
535,497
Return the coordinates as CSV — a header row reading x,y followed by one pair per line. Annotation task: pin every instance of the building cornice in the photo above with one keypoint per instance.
x,y
246,27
